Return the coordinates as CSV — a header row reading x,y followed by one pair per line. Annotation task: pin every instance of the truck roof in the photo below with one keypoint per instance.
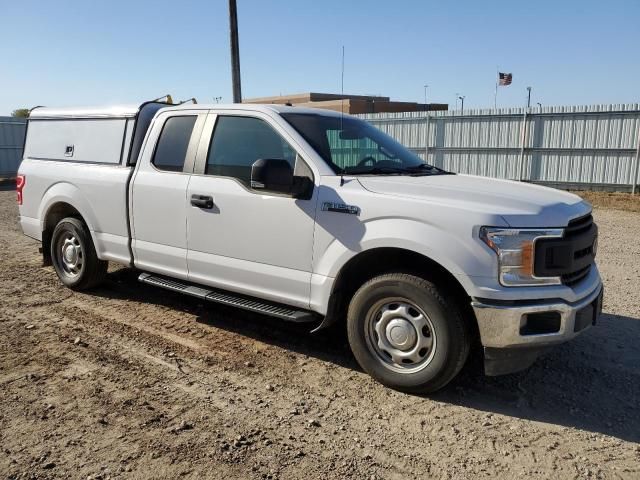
x,y
253,107
118,111
126,111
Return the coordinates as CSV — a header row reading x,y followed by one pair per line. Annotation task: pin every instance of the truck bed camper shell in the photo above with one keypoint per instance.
x,y
109,135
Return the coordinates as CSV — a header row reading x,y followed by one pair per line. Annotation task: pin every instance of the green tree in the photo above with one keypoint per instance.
x,y
20,112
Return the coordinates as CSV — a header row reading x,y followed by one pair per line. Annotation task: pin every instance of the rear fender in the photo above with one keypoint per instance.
x,y
64,192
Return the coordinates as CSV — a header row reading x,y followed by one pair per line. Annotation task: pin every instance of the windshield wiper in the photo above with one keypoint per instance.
x,y
414,170
377,171
426,169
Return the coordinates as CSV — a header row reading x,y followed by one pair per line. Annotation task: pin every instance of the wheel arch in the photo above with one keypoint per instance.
x,y
380,260
63,199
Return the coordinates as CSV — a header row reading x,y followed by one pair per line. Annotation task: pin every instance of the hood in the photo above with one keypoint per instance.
x,y
520,204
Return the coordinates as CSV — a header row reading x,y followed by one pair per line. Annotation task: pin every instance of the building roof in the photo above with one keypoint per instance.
x,y
314,97
347,103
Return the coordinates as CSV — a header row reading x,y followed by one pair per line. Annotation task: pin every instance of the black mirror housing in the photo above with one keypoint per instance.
x,y
276,175
302,188
272,174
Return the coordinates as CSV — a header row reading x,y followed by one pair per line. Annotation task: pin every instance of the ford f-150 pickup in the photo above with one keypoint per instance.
x,y
313,216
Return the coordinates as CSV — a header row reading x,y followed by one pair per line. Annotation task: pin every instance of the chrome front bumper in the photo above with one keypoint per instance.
x,y
501,326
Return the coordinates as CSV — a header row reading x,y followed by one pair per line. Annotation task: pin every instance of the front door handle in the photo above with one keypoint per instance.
x,y
202,201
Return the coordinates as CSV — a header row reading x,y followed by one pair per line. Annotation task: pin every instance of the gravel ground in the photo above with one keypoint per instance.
x,y
128,381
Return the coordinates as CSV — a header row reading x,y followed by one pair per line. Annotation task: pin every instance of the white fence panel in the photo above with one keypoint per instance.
x,y
583,147
12,132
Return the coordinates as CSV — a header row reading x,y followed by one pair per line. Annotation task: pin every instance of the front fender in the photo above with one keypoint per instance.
x,y
460,254
457,254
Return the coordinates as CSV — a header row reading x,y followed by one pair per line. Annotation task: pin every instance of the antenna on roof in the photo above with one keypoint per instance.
x,y
342,108
342,88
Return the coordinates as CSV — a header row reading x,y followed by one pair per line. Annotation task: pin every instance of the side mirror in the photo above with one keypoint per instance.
x,y
302,188
273,175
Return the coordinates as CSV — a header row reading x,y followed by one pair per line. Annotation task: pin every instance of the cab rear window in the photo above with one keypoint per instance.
x,y
171,149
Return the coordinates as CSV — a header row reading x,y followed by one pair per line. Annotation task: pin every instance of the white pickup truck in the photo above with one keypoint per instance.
x,y
314,216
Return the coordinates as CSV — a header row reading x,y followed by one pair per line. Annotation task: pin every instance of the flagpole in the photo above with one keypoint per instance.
x,y
495,95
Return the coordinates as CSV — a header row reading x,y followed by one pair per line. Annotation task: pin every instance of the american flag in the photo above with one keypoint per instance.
x,y
504,79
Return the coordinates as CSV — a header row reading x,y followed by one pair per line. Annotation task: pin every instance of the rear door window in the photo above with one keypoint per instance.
x,y
171,149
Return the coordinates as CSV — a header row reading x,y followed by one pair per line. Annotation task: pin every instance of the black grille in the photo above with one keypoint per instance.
x,y
574,277
571,256
578,226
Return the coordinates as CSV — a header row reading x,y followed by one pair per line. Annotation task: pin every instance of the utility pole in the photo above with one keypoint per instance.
x,y
529,97
235,52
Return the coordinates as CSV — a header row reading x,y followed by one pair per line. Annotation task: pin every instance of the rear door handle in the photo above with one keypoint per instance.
x,y
202,201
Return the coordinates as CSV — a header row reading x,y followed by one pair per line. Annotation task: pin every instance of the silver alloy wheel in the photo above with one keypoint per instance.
x,y
401,335
71,255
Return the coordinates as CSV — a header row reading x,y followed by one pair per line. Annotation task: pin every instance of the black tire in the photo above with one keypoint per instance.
x,y
89,270
446,330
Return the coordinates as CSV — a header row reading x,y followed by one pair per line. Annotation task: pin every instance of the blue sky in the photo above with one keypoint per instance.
x,y
63,52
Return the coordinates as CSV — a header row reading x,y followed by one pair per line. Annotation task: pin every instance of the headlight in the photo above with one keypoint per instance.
x,y
515,248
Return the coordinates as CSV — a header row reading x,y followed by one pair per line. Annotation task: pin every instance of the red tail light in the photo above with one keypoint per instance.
x,y
20,181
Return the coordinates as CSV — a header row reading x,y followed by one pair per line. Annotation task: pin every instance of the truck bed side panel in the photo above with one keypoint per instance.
x,y
98,192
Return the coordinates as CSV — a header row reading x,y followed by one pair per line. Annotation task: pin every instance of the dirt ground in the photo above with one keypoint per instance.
x,y
612,200
128,381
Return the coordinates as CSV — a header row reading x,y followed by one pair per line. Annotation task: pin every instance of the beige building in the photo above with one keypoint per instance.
x,y
353,104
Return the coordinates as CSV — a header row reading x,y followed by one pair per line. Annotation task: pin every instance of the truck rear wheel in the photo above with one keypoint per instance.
x,y
406,333
74,256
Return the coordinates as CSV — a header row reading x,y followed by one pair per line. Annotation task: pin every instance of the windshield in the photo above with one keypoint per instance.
x,y
353,146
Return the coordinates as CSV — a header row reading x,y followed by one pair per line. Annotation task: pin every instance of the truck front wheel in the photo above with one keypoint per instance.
x,y
74,256
407,333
